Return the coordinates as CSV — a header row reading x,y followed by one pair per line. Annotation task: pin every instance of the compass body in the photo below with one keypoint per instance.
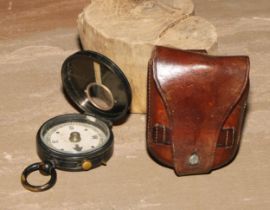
x,y
79,142
69,141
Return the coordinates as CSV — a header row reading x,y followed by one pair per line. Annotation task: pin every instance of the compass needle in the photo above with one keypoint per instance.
x,y
78,148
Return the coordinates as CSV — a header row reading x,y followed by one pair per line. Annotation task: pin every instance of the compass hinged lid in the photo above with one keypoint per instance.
x,y
96,85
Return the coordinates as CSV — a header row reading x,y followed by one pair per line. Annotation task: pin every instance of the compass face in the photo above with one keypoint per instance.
x,y
74,138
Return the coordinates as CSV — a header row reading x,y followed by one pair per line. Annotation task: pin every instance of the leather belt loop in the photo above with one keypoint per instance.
x,y
160,134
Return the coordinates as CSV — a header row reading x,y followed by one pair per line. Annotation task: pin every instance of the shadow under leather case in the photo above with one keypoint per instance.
x,y
196,106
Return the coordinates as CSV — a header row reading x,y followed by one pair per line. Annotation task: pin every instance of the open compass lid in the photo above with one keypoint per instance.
x,y
96,85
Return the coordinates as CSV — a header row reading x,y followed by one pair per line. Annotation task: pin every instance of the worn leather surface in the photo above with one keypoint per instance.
x,y
196,106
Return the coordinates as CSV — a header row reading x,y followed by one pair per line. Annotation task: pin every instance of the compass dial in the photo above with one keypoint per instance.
x,y
74,137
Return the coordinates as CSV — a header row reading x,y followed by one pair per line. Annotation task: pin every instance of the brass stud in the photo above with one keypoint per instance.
x,y
86,165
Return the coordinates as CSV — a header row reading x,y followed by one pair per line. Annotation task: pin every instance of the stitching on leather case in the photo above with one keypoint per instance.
x,y
149,119
164,99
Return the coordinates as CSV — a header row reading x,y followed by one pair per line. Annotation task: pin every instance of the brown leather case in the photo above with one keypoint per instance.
x,y
196,106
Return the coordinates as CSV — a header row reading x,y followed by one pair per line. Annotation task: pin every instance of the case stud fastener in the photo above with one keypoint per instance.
x,y
194,159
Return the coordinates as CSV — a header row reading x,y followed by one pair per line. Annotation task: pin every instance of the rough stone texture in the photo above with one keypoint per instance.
x,y
21,17
127,30
31,93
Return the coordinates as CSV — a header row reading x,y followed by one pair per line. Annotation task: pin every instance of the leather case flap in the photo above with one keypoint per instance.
x,y
199,92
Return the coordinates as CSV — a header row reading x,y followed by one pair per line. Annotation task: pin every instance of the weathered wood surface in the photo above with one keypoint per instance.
x,y
127,30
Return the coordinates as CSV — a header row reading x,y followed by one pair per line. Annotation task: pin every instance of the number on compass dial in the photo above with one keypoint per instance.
x,y
74,137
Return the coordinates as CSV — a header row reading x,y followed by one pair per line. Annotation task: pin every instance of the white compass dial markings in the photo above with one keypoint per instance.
x,y
74,137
